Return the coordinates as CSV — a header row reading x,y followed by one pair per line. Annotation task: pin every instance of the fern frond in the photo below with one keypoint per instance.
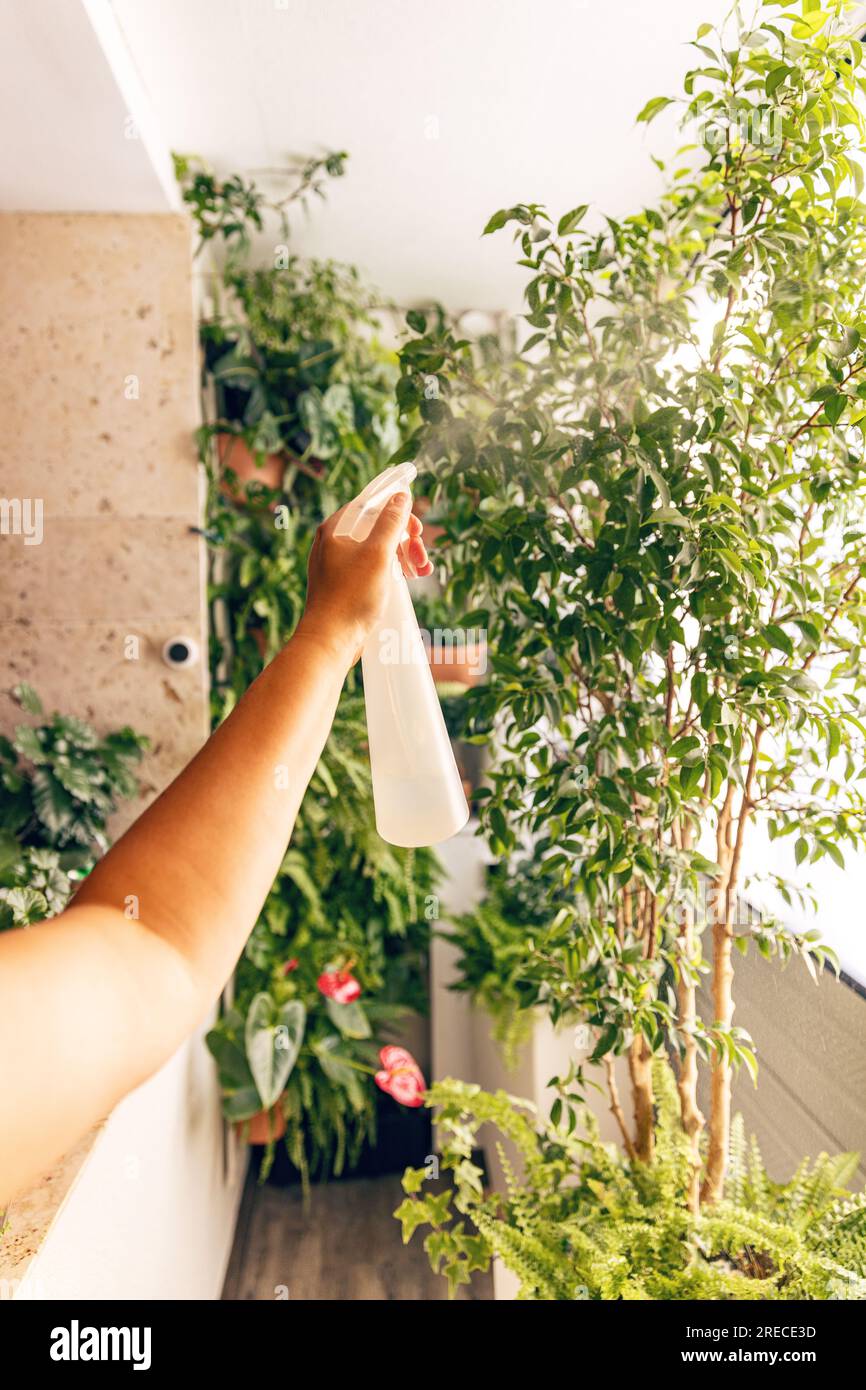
x,y
541,1275
737,1175
759,1197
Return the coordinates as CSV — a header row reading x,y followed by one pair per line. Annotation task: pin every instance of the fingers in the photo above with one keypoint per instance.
x,y
406,563
418,557
413,529
390,524
412,551
413,559
396,530
416,549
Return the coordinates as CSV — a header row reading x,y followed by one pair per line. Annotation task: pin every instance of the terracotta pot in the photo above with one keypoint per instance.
x,y
264,1127
460,667
234,454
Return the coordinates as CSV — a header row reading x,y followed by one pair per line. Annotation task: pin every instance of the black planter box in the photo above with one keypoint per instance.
x,y
403,1139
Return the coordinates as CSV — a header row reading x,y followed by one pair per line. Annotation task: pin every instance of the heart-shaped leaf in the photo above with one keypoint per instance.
x,y
273,1040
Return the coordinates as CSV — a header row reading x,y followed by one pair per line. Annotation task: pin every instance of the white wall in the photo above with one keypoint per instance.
x,y
153,1211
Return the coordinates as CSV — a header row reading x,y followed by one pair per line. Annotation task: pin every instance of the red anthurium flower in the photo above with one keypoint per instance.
x,y
339,985
401,1076
291,965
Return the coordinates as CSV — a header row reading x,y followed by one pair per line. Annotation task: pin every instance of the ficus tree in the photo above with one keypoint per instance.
x,y
654,501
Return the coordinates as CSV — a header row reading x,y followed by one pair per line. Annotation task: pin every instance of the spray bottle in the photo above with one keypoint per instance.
x,y
417,791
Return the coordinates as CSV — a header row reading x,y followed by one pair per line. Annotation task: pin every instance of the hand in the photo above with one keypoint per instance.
x,y
348,579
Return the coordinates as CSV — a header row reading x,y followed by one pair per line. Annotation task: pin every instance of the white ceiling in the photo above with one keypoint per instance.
x,y
77,133
449,111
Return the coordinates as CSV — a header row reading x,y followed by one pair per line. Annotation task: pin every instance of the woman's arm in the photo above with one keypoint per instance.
x,y
96,1000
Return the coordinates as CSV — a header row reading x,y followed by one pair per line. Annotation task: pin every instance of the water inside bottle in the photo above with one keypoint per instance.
x,y
418,810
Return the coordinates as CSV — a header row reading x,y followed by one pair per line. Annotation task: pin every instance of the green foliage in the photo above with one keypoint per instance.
x,y
582,1222
294,367
656,501
231,209
505,943
60,784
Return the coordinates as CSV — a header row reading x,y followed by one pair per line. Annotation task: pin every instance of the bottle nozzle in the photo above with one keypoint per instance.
x,y
359,516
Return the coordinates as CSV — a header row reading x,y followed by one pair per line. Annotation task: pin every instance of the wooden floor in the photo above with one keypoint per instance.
x,y
345,1247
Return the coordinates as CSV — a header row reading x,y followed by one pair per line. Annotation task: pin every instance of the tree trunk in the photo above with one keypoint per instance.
x,y
720,1079
640,1071
687,1082
616,1106
724,904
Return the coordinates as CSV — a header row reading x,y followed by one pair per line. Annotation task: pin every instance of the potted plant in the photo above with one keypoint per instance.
x,y
658,506
624,1229
61,783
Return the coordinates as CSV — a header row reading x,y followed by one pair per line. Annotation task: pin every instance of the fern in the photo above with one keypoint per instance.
x,y
737,1176
577,1219
542,1272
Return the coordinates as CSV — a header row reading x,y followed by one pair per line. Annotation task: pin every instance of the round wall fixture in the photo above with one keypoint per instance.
x,y
180,652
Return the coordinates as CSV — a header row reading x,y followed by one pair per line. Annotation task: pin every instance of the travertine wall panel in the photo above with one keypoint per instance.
x,y
99,402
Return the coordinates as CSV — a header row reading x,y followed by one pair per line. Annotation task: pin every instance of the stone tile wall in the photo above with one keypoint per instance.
x,y
98,399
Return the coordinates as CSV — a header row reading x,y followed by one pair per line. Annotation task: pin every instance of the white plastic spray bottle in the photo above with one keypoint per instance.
x,y
417,791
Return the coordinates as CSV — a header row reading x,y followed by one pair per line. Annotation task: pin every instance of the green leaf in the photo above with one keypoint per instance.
x,y
498,220
777,637
669,516
273,1038
76,780
606,1041
29,744
241,1103
570,220
351,1019
413,1180
748,1057
411,1214
27,905
339,1070
11,853
234,1069
52,802
653,107
775,77
690,777
27,698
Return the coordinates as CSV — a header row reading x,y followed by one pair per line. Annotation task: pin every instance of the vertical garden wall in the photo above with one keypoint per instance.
x,y
301,412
